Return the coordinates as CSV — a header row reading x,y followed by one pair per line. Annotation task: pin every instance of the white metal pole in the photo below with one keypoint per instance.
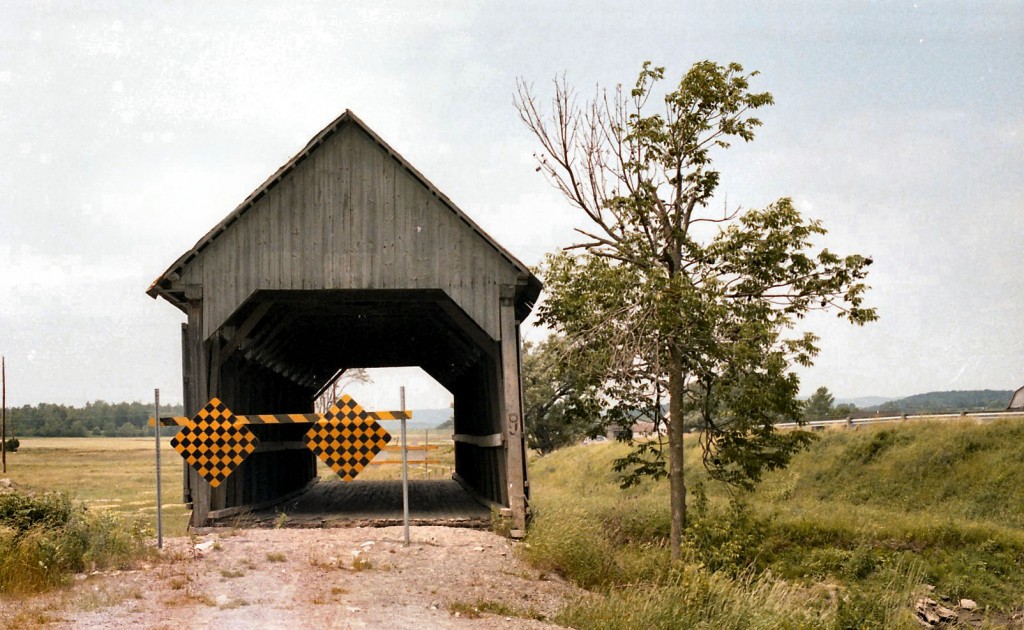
x,y
405,472
3,410
159,501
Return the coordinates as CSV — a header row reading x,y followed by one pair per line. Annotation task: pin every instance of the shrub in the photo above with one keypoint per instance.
x,y
724,540
46,538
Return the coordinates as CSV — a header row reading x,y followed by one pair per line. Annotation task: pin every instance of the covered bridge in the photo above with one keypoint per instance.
x,y
348,257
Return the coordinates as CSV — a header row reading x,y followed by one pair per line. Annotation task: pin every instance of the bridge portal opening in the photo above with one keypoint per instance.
x,y
347,257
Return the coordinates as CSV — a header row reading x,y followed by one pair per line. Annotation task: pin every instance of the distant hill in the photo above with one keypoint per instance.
x,y
864,401
422,419
947,402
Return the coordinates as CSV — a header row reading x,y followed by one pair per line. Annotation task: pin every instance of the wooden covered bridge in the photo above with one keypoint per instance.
x,y
348,257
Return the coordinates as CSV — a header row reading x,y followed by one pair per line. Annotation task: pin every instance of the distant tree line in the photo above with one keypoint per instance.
x,y
98,418
820,406
949,402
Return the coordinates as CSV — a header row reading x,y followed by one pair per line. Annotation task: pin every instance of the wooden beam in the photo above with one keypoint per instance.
x,y
512,412
215,366
197,396
186,388
243,331
483,441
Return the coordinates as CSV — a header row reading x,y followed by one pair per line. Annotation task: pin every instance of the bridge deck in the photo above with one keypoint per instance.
x,y
334,503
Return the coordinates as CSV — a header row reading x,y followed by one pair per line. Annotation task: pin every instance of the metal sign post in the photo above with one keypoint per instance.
x,y
3,434
159,501
405,472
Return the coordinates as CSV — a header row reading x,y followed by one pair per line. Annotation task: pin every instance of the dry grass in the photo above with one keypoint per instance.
x,y
375,472
117,474
106,474
872,513
361,564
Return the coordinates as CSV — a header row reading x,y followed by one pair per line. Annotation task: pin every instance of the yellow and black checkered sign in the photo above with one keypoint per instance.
x,y
214,443
347,438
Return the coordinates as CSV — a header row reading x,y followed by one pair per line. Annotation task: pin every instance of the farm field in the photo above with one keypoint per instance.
x,y
118,474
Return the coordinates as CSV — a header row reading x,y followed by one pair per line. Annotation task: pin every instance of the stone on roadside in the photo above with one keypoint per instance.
x,y
945,613
968,604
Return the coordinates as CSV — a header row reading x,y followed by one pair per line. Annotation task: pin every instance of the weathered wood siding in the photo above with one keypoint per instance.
x,y
349,216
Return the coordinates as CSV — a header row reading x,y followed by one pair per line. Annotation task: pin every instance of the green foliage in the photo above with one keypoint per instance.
x,y
23,511
644,461
865,451
819,405
12,445
662,309
97,418
844,537
726,541
559,397
46,538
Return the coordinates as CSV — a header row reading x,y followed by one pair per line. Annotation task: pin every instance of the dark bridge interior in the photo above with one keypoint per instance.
x,y
281,348
347,256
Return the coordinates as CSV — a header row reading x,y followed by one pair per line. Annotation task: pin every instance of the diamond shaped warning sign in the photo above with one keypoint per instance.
x,y
213,443
347,438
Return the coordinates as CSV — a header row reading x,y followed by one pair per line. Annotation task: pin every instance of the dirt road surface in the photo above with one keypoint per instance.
x,y
310,578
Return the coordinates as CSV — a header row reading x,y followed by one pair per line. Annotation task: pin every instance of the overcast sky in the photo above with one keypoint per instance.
x,y
128,129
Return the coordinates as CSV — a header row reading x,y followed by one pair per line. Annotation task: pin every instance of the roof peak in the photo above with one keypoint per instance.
x,y
162,285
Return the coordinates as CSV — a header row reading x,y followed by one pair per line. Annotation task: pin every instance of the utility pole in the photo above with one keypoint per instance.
x,y
159,499
3,413
405,472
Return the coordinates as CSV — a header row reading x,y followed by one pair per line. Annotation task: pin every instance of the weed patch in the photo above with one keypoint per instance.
x,y
44,539
844,537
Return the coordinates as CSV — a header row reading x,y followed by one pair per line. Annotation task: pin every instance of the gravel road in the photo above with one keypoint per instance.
x,y
311,578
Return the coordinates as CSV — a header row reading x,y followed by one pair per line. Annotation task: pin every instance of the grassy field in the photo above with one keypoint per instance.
x,y
119,474
847,536
115,474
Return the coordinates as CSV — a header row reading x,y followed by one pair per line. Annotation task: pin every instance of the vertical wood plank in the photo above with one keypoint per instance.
x,y
361,167
512,412
346,242
374,203
387,233
313,221
188,403
330,193
198,396
295,209
401,269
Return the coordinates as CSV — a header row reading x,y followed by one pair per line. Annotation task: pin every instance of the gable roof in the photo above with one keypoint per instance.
x,y
1017,400
526,294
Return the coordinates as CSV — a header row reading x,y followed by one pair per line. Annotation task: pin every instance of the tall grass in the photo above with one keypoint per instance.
x,y
45,539
843,538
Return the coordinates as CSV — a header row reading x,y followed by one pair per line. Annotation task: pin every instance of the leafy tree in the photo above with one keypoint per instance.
x,y
819,405
336,388
560,399
846,410
665,296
